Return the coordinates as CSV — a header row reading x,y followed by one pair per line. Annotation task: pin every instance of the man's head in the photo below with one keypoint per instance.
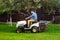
x,y
32,10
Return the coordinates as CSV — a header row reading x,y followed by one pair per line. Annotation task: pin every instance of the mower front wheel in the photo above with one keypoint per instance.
x,y
18,30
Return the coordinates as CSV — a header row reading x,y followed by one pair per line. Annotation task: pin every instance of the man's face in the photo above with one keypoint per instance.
x,y
31,11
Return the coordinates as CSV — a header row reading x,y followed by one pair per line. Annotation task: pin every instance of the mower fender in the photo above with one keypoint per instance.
x,y
35,24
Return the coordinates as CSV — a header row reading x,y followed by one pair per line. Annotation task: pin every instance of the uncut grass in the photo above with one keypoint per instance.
x,y
9,33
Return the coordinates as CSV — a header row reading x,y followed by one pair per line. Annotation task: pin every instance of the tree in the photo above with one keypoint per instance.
x,y
7,6
50,6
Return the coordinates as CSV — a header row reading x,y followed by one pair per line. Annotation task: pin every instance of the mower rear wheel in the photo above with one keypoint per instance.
x,y
34,29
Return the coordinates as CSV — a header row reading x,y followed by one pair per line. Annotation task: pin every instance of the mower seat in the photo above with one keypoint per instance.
x,y
34,22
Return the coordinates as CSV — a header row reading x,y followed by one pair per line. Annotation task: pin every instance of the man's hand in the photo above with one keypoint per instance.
x,y
26,18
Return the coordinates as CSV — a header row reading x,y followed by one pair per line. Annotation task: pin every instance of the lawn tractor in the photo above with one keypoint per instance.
x,y
34,27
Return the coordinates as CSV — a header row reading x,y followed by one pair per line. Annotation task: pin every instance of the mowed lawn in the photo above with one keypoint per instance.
x,y
9,33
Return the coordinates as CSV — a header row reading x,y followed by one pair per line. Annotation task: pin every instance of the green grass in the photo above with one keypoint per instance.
x,y
9,33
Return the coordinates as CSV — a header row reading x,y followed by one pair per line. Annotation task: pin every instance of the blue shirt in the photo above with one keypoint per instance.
x,y
33,16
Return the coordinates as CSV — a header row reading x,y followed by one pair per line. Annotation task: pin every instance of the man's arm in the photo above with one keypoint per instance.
x,y
29,16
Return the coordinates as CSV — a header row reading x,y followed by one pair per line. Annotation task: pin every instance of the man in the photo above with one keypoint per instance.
x,y
32,18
